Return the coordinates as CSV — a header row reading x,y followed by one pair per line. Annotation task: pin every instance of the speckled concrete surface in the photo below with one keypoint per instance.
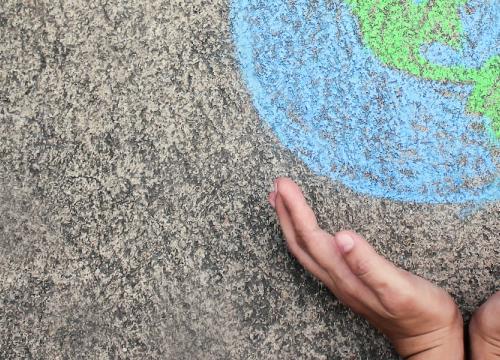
x,y
133,216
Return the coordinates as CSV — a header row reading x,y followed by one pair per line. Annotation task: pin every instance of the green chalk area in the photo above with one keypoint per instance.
x,y
395,31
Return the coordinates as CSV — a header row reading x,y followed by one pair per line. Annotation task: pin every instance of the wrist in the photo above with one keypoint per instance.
x,y
442,343
446,345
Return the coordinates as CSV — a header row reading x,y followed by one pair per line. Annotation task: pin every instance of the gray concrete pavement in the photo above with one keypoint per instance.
x,y
134,173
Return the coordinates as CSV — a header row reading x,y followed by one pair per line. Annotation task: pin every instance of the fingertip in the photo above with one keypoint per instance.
x,y
289,190
284,181
345,242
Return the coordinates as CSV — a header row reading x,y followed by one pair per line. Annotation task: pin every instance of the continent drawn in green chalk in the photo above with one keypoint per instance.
x,y
396,30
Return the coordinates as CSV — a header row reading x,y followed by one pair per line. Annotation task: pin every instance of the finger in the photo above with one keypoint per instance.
x,y
302,216
297,251
320,246
372,269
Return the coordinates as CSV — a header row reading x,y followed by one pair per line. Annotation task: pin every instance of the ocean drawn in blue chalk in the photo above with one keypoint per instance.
x,y
377,130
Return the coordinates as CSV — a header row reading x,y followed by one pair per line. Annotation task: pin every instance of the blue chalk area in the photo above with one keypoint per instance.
x,y
481,25
347,116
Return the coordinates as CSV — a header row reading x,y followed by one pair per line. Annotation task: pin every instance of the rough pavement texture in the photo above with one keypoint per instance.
x,y
133,218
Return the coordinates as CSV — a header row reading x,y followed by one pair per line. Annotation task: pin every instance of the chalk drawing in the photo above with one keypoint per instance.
x,y
395,31
394,100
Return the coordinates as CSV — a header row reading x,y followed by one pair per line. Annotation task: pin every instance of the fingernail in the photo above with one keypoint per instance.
x,y
276,186
345,242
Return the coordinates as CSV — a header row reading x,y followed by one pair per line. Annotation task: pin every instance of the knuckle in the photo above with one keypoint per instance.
x,y
399,301
303,233
350,290
363,267
308,237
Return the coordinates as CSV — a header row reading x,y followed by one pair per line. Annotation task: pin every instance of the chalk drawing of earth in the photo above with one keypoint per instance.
x,y
409,118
